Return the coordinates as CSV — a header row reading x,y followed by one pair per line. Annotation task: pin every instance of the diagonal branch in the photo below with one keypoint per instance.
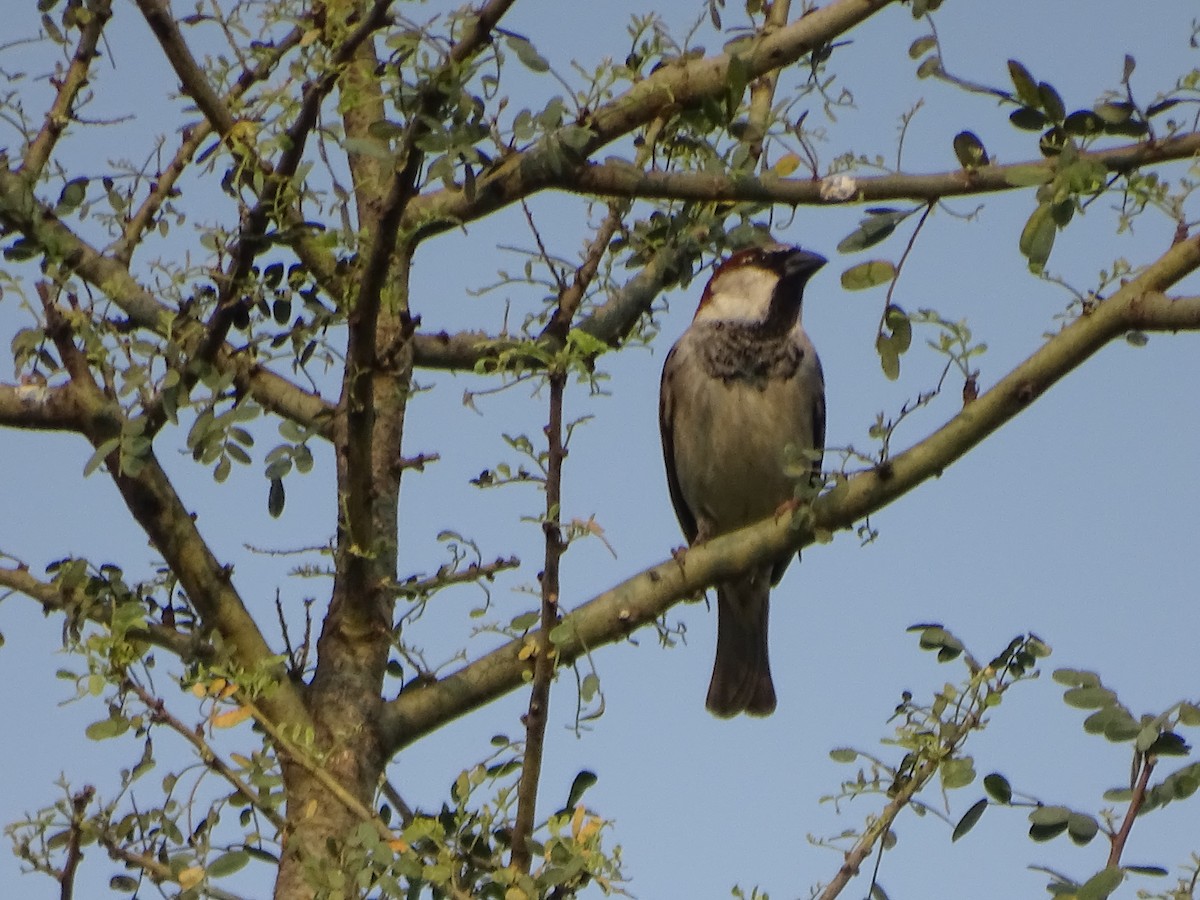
x,y
71,83
610,322
193,137
1139,305
157,508
21,210
680,84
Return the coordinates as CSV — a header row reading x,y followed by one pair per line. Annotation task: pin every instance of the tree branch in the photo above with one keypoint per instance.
x,y
611,322
72,82
680,84
612,615
623,179
38,407
193,137
1118,840
21,210
154,504
54,599
206,754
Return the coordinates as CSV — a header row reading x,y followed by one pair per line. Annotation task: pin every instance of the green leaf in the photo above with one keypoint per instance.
x,y
889,359
931,65
1076,678
1026,87
1043,833
1037,237
1130,65
998,788
107,728
97,458
1100,885
967,822
1089,697
1146,736
228,863
1169,744
276,498
875,227
843,755
526,53
897,320
1050,815
1051,102
1027,119
562,632
589,686
582,782
957,773
969,150
1189,714
1114,113
1122,727
868,274
1083,123
525,621
921,46
73,194
1081,828
1155,871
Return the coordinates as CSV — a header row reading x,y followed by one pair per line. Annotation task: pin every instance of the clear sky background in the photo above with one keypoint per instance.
x,y
1077,521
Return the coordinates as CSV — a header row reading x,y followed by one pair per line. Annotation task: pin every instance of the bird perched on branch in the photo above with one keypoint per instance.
x,y
741,385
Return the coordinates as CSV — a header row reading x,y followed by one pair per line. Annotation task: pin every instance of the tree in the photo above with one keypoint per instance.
x,y
252,277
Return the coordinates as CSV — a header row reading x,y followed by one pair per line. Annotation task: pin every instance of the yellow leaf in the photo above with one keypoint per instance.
x,y
190,877
528,650
786,165
217,685
244,761
577,821
199,691
231,717
309,36
398,846
310,809
515,893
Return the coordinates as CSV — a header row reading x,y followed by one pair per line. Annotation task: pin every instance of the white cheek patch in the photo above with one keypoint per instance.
x,y
741,294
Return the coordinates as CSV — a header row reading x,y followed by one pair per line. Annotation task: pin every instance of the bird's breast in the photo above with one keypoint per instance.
x,y
733,420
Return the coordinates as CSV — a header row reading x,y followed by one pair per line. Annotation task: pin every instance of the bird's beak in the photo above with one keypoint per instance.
x,y
803,262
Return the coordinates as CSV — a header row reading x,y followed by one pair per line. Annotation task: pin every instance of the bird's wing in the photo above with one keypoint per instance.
x,y
666,424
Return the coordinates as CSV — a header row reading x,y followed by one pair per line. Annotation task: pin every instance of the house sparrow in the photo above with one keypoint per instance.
x,y
740,385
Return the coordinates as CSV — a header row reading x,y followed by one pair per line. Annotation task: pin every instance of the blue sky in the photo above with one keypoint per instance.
x,y
1076,521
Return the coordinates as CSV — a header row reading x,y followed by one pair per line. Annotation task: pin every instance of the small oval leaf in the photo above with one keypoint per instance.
x,y
868,274
967,822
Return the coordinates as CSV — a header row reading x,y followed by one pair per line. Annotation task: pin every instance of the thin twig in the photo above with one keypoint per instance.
x,y
545,658
419,587
210,758
165,181
1135,806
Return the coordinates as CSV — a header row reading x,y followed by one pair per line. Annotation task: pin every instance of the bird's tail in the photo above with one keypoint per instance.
x,y
741,679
